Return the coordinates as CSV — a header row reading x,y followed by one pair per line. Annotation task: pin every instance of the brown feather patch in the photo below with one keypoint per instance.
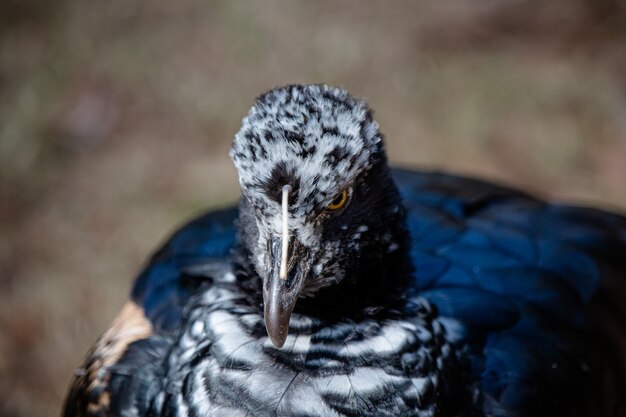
x,y
88,396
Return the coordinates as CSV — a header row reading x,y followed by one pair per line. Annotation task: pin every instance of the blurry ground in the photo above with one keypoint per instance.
x,y
116,118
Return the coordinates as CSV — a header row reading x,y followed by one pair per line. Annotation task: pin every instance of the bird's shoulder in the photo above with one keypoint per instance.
x,y
473,235
523,282
171,277
139,337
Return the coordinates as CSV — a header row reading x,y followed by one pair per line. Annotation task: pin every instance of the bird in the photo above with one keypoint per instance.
x,y
339,286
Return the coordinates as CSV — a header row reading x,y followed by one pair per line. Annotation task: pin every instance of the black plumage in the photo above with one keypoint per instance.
x,y
424,294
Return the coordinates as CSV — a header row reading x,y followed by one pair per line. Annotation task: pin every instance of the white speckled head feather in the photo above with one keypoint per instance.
x,y
317,134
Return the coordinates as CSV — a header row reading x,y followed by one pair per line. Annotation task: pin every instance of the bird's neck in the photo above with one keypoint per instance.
x,y
382,268
379,279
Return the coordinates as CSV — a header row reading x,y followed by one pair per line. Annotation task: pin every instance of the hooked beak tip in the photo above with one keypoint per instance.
x,y
278,340
277,325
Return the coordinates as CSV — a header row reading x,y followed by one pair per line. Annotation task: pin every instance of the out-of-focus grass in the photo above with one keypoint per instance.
x,y
116,118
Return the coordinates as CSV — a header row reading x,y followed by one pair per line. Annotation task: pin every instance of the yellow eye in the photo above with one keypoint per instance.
x,y
339,201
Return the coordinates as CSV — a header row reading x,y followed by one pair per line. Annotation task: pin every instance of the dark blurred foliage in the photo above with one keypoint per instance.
x,y
116,118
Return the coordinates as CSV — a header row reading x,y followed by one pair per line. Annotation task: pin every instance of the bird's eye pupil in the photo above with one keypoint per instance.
x,y
339,201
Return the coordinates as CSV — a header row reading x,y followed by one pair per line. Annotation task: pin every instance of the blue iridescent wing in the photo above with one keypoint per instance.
x,y
520,279
162,288
127,359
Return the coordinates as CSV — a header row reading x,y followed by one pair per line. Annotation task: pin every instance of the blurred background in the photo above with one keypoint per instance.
x,y
116,118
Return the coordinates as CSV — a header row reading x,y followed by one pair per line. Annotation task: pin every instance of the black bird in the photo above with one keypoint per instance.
x,y
341,287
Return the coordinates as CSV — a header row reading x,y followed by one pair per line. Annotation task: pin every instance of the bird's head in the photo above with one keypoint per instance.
x,y
318,197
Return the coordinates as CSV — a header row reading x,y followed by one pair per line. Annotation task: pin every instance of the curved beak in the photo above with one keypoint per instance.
x,y
281,291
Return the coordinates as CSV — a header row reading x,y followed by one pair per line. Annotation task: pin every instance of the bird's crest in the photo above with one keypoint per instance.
x,y
315,138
